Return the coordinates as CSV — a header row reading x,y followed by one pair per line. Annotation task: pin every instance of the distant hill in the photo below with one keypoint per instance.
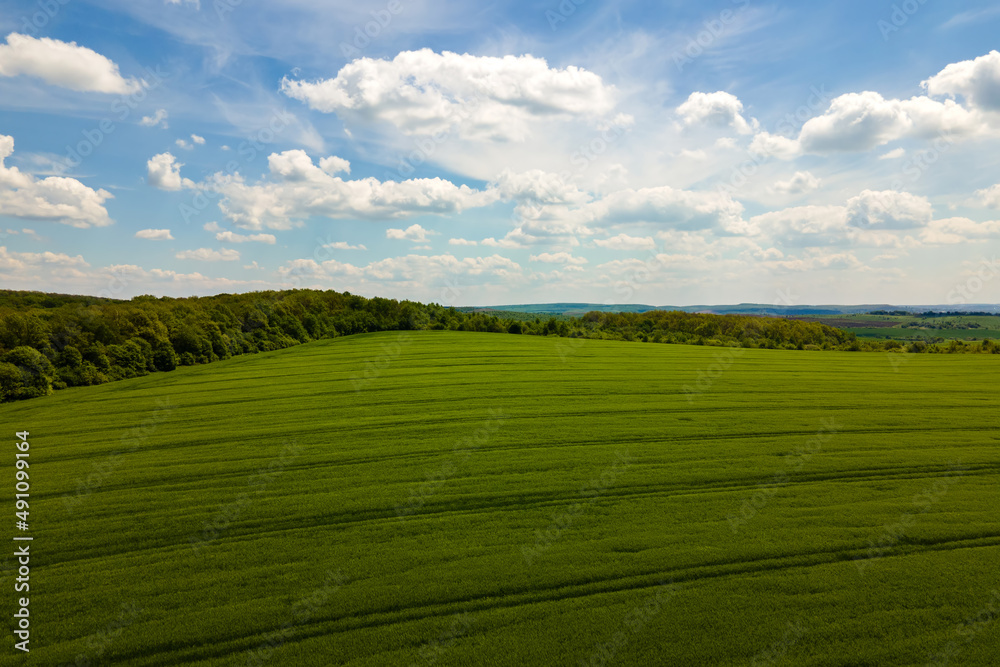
x,y
738,309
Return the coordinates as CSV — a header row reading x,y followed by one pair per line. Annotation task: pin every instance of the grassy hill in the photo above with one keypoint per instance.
x,y
456,498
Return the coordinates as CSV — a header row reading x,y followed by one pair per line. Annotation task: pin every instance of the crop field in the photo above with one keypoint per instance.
x,y
445,498
916,328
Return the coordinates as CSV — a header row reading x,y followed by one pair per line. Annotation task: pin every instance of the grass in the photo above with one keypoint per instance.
x,y
459,499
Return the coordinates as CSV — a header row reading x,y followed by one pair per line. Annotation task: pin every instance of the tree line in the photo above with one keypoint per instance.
x,y
54,341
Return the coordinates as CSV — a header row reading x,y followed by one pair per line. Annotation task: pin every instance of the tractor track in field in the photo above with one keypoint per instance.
x,y
505,600
250,530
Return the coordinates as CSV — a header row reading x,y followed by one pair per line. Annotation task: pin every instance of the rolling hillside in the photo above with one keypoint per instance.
x,y
455,498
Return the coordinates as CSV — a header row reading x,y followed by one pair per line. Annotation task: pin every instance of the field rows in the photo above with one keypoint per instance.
x,y
485,499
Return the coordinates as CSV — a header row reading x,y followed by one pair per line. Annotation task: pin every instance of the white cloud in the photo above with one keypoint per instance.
x,y
410,268
198,140
182,143
56,198
344,245
158,119
863,121
538,187
164,172
977,80
990,196
558,258
676,209
626,242
719,109
423,93
894,154
775,145
230,237
63,64
959,230
154,234
800,183
462,242
209,255
888,210
414,233
11,262
297,189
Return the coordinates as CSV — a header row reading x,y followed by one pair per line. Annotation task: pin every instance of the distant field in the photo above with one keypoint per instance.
x,y
913,327
472,499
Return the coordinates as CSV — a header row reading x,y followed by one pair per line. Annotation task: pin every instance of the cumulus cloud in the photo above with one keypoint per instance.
x,y
198,140
410,268
775,145
297,189
990,196
626,242
863,121
209,255
154,234
800,183
666,206
414,233
344,245
231,237
163,171
56,198
719,109
482,97
462,242
158,119
63,64
889,209
951,231
978,81
558,258
537,186
11,262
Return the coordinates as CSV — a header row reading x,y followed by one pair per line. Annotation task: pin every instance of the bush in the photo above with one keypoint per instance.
x,y
36,372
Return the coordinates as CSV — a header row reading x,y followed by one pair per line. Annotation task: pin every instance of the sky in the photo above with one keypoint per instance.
x,y
665,153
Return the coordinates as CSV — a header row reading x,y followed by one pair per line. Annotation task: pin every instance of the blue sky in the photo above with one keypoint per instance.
x,y
469,154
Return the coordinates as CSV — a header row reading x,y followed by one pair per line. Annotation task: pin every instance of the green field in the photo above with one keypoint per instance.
x,y
909,328
456,498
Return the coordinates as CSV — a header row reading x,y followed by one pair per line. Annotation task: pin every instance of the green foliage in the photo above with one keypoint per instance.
x,y
92,341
